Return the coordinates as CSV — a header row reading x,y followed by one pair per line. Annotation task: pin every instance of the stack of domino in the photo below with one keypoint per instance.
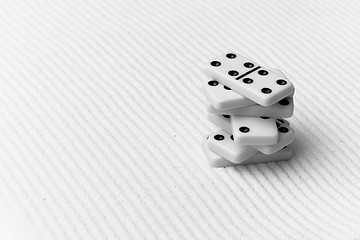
x,y
249,104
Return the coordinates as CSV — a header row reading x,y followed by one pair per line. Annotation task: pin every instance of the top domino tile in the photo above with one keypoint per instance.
x,y
249,79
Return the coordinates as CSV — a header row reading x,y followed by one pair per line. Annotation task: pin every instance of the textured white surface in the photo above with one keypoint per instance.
x,y
101,118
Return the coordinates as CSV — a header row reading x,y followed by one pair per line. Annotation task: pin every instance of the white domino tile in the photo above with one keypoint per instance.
x,y
286,136
254,130
222,97
282,109
259,84
223,144
283,154
216,161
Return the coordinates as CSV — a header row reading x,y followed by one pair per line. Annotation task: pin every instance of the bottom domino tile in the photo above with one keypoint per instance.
x,y
223,144
214,159
283,154
217,161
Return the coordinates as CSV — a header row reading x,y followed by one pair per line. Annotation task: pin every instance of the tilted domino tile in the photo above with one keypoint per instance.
x,y
222,97
221,121
223,144
254,130
286,136
217,161
282,109
246,77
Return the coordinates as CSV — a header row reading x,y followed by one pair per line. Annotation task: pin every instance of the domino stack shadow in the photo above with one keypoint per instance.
x,y
248,103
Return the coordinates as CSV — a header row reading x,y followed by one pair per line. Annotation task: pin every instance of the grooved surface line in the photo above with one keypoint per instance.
x,y
101,118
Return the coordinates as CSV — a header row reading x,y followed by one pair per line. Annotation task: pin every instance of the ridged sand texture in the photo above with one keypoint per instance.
x,y
101,115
